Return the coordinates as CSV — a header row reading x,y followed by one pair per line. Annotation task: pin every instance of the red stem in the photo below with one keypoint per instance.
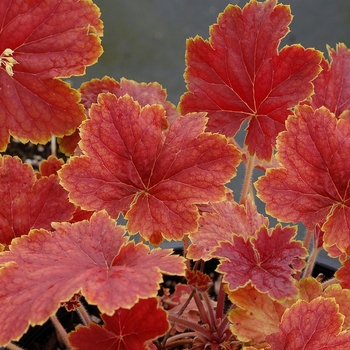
x,y
212,319
194,326
201,309
178,315
186,244
223,325
221,301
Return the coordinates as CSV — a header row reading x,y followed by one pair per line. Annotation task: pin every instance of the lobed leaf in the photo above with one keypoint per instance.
x,y
342,298
342,274
240,75
226,219
256,315
312,184
126,329
310,289
141,92
309,326
40,42
134,162
43,269
50,166
267,261
29,200
198,280
332,84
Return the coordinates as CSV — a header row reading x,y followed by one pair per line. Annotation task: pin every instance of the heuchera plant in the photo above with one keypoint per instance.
x,y
165,170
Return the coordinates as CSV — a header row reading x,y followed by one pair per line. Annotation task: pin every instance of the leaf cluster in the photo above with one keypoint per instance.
x,y
164,169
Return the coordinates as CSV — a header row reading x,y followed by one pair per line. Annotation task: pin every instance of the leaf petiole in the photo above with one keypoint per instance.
x,y
12,346
311,262
247,179
61,331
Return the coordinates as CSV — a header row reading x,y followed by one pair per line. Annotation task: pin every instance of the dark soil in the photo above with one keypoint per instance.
x,y
31,153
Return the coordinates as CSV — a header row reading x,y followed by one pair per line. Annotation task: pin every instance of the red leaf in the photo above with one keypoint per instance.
x,y
50,166
310,326
332,85
198,280
312,184
42,41
135,163
141,92
27,202
80,215
43,269
239,74
73,303
226,219
267,260
343,274
124,330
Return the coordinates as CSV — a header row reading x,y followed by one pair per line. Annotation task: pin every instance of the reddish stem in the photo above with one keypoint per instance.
x,y
223,325
201,309
178,315
212,319
186,245
221,301
311,262
194,326
177,343
247,179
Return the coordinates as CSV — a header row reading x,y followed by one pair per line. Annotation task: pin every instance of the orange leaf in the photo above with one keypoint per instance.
x,y
43,269
257,314
134,162
310,326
